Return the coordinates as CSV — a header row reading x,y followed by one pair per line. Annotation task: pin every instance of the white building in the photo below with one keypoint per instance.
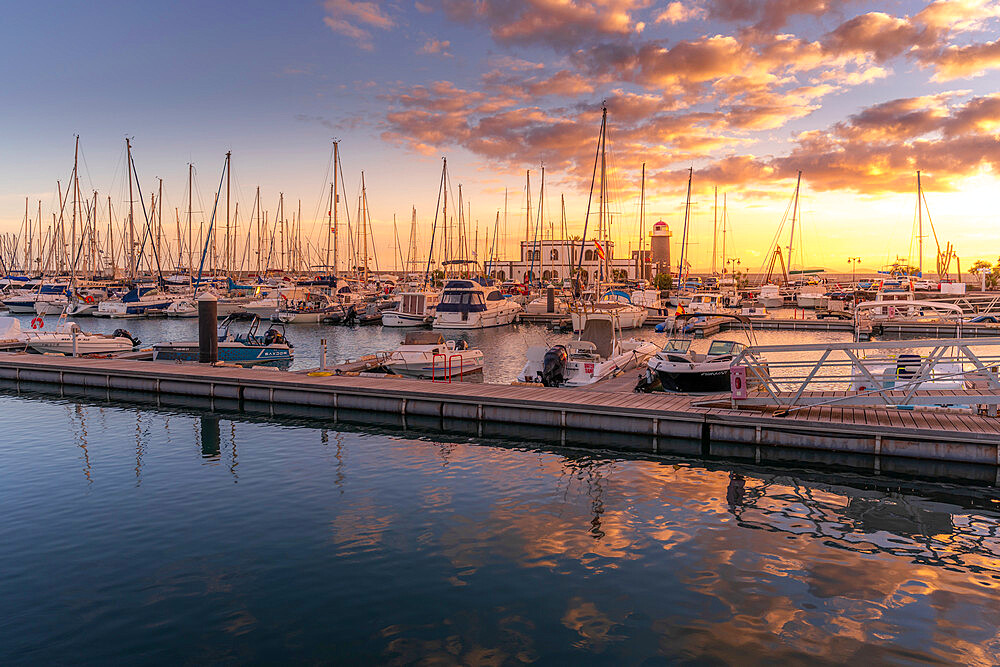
x,y
556,260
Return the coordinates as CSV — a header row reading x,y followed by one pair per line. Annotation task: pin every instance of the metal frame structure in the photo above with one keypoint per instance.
x,y
822,374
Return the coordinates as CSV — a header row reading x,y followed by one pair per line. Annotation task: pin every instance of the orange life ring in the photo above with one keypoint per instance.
x,y
89,299
37,323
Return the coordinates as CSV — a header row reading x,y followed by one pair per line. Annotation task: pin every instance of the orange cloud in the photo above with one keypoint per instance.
x,y
354,18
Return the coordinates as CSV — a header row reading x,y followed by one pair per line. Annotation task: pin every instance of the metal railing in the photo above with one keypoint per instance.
x,y
947,372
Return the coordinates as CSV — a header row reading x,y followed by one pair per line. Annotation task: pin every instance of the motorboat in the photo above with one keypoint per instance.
x,y
311,310
182,308
51,304
652,301
541,306
69,338
467,304
414,309
811,295
677,368
597,354
426,354
11,336
247,349
707,302
770,296
629,316
23,301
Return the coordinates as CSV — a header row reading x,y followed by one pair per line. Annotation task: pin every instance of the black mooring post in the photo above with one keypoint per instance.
x,y
208,329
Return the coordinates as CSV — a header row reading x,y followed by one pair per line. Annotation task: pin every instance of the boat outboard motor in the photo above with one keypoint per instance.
x,y
123,333
554,366
461,344
274,337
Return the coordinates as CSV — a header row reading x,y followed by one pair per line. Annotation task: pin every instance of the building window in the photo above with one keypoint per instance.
x,y
553,254
588,256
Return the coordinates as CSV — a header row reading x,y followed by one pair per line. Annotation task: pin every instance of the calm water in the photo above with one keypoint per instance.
x,y
146,536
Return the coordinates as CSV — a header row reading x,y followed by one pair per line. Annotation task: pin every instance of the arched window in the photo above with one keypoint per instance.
x,y
553,254
588,256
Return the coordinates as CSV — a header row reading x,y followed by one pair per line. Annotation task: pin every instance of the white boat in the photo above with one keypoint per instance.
x,y
770,296
753,310
312,310
652,301
707,302
598,354
466,304
810,296
69,338
182,308
82,307
50,304
676,368
426,354
11,336
415,309
629,316
137,303
540,306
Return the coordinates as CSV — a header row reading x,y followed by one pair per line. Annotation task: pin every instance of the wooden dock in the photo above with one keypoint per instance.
x,y
607,416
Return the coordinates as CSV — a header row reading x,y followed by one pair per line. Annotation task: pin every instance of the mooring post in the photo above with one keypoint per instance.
x,y
74,342
208,329
322,354
550,300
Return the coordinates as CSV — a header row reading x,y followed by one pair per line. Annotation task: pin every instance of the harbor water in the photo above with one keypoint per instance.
x,y
140,535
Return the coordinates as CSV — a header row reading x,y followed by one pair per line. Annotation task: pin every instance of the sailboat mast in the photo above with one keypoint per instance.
x,y
76,198
131,214
641,273
190,232
715,228
795,213
336,197
920,228
684,235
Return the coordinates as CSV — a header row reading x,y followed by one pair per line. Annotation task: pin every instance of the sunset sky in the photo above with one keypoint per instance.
x,y
857,95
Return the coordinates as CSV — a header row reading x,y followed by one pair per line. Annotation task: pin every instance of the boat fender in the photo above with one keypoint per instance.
x,y
37,323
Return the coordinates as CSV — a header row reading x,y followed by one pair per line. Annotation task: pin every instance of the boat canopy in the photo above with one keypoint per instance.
x,y
423,338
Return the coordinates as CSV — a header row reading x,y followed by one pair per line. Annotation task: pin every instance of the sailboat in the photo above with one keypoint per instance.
x,y
626,314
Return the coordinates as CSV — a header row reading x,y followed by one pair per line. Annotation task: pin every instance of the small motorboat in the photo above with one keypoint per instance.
x,y
11,336
426,354
598,354
677,368
249,349
415,309
182,308
69,338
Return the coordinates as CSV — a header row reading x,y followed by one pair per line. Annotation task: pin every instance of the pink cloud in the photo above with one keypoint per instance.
x,y
355,19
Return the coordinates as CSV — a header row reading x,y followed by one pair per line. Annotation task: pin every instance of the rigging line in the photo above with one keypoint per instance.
x,y
437,208
590,196
211,223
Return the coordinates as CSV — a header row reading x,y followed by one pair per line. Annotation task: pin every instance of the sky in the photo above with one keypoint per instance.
x,y
745,93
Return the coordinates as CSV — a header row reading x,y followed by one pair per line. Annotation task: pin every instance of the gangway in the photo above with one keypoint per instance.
x,y
946,373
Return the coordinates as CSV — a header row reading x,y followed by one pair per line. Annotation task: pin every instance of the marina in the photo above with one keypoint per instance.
x,y
500,332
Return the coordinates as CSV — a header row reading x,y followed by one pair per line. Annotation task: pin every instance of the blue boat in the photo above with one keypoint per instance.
x,y
247,349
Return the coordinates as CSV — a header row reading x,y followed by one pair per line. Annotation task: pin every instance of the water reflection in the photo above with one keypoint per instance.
x,y
362,546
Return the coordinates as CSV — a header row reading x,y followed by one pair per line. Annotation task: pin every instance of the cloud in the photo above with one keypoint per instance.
x,y
559,23
960,62
434,46
355,19
679,12
766,15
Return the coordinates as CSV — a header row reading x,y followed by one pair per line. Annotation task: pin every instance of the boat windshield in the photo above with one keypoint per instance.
x,y
721,347
677,345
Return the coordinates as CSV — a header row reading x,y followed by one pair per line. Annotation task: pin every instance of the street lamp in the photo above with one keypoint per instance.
x,y
853,261
734,265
